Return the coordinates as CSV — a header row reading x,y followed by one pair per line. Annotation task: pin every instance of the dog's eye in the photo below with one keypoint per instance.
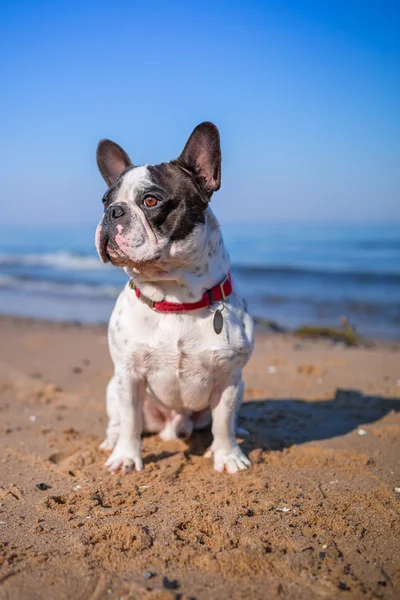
x,y
150,201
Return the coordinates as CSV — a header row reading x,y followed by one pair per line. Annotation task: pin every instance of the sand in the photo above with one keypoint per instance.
x,y
316,516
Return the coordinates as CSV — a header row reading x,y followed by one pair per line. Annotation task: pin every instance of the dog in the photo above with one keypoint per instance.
x,y
179,334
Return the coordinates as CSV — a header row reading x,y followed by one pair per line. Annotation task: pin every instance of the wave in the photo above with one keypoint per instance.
x,y
332,274
56,260
377,244
70,261
60,289
101,291
334,305
71,274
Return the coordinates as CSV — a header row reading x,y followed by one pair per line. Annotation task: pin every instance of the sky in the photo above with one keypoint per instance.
x,y
306,95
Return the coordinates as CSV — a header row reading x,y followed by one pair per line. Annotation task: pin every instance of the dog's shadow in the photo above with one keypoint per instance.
x,y
279,423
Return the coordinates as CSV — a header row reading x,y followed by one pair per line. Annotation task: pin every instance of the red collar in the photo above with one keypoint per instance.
x,y
219,292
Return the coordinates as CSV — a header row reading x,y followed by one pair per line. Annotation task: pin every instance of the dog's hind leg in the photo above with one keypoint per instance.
x,y
201,419
113,417
169,424
177,427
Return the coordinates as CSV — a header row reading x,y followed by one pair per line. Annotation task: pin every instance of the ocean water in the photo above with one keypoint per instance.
x,y
294,274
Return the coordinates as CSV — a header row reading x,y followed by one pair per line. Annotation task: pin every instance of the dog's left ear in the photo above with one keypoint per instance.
x,y
202,157
111,160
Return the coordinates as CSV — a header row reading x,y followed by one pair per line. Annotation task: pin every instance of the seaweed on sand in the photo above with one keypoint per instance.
x,y
346,333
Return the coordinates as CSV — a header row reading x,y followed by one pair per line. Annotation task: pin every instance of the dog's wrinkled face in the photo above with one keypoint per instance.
x,y
152,212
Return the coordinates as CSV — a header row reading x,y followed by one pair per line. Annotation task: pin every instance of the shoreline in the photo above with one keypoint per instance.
x,y
315,516
260,329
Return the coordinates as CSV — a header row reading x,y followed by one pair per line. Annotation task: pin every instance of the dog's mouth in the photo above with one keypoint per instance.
x,y
109,251
102,249
115,255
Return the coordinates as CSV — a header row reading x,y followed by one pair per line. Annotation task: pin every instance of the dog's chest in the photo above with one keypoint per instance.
x,y
181,357
176,376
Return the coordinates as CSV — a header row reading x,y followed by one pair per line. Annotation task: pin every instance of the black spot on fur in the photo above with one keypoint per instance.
x,y
182,206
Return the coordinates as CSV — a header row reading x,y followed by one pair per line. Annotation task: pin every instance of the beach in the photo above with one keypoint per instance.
x,y
316,516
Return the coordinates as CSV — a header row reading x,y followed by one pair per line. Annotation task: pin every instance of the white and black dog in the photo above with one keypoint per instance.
x,y
179,334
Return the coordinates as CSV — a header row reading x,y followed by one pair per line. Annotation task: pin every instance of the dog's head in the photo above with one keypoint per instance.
x,y
151,212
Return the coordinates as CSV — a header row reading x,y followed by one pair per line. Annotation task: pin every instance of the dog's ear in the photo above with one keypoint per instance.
x,y
202,157
111,160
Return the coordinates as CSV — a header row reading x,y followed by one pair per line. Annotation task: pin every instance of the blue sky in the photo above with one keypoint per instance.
x,y
306,95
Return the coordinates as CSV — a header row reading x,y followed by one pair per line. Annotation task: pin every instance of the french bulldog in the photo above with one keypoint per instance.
x,y
179,334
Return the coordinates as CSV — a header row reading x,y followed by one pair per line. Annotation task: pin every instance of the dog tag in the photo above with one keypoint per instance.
x,y
218,321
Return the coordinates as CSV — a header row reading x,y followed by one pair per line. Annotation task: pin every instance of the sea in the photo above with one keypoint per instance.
x,y
294,274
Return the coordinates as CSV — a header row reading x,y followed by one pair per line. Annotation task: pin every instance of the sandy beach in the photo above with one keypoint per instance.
x,y
316,516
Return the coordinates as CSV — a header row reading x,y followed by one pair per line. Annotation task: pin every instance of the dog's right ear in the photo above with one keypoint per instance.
x,y
111,160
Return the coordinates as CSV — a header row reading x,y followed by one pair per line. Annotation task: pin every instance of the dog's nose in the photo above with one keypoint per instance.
x,y
115,211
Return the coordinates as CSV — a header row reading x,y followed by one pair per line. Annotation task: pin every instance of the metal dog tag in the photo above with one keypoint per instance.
x,y
218,321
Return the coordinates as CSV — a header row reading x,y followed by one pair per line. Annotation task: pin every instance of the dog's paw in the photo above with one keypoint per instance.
x,y
123,461
231,459
108,444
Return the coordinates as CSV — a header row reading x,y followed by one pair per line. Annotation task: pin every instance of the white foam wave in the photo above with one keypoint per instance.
x,y
59,289
58,260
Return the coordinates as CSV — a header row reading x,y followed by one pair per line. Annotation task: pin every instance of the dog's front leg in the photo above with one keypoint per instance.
x,y
127,452
112,405
224,407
